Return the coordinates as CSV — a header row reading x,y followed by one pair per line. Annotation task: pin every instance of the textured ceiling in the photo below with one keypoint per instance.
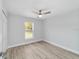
x,y
25,7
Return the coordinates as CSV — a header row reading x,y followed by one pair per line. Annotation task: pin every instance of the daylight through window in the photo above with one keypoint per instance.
x,y
28,26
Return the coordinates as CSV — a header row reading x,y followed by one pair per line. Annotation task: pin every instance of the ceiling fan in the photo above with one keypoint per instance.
x,y
42,12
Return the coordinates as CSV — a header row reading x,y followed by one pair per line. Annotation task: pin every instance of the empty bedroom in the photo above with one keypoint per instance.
x,y
39,29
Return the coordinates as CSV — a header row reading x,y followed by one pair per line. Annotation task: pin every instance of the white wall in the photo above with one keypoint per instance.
x,y
64,30
0,27
0,34
16,29
4,32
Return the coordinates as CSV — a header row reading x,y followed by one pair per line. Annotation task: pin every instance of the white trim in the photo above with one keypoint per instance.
x,y
60,46
25,43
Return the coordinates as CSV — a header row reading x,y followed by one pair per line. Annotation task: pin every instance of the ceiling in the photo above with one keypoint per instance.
x,y
25,7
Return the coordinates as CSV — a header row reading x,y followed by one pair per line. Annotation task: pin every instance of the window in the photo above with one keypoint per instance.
x,y
28,26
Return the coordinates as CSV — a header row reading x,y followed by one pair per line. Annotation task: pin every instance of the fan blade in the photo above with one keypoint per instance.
x,y
48,12
36,12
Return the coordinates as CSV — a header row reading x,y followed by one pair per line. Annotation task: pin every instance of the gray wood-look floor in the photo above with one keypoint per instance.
x,y
39,50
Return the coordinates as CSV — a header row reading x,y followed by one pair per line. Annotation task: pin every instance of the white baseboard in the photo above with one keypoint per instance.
x,y
60,46
32,41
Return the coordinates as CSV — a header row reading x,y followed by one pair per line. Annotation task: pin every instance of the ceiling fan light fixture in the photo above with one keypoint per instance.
x,y
39,16
40,13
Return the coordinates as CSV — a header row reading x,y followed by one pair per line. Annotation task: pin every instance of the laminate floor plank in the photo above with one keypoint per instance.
x,y
39,50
